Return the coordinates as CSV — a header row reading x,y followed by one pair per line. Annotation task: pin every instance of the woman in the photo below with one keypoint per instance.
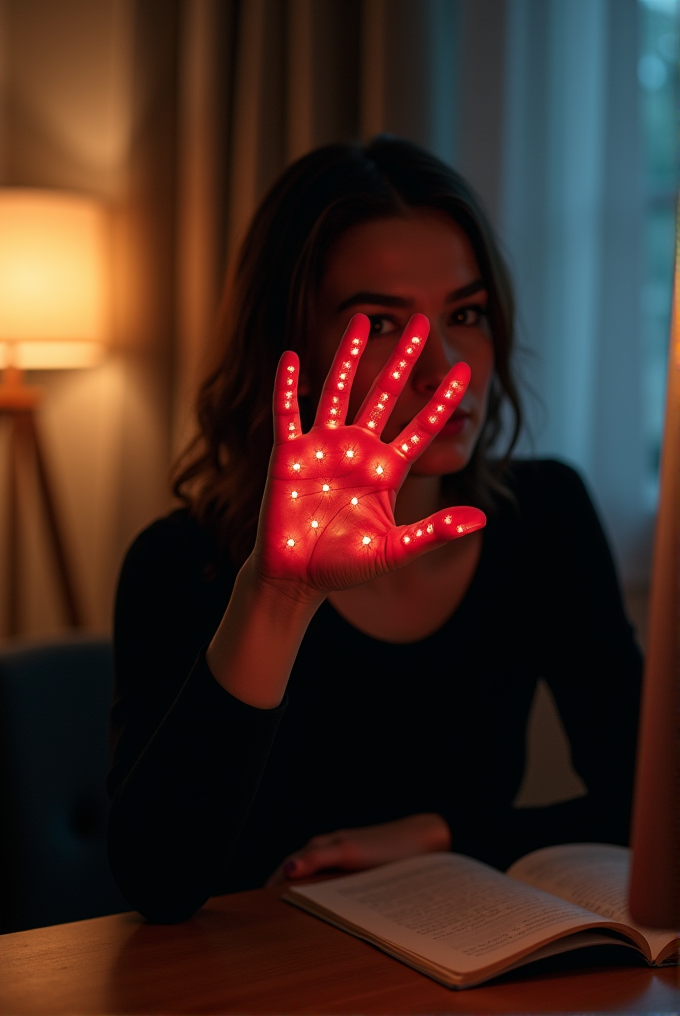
x,y
312,671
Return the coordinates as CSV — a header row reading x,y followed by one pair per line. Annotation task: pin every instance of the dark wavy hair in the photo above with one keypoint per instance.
x,y
268,307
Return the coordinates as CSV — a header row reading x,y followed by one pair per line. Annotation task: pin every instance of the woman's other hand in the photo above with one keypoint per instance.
x,y
367,847
327,520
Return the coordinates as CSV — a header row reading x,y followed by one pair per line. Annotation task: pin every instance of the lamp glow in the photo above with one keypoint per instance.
x,y
53,280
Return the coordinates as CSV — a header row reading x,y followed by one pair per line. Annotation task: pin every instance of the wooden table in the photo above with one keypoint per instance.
x,y
252,953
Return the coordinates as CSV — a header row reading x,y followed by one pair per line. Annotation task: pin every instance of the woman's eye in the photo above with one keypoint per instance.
x,y
381,325
470,316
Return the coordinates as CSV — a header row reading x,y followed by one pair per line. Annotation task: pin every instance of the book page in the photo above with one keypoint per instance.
x,y
591,875
452,910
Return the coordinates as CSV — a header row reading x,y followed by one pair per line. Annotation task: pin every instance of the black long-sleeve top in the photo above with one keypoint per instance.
x,y
210,794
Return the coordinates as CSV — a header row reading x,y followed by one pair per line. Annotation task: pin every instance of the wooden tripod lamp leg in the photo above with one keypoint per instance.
x,y
73,613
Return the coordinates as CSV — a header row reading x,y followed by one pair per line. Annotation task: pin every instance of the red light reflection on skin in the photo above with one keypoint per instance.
x,y
328,512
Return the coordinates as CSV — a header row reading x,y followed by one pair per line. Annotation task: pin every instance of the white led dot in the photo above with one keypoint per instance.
x,y
296,467
371,424
430,528
366,540
354,352
447,520
404,448
396,375
414,439
340,385
290,543
291,426
355,500
406,539
440,409
379,407
380,470
350,453
460,529
343,376
293,494
419,532
433,419
356,342
334,412
289,381
319,455
325,487
286,405
347,365
415,340
291,369
315,524
409,349
402,364
335,400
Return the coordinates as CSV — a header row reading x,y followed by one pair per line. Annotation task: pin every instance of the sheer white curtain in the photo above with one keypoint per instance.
x,y
571,207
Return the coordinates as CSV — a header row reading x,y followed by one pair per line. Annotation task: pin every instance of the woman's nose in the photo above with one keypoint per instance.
x,y
433,363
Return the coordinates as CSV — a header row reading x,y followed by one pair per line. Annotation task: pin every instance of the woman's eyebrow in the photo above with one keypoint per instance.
x,y
472,287
378,299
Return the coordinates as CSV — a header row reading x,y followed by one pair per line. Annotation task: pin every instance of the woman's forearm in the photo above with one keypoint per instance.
x,y
254,648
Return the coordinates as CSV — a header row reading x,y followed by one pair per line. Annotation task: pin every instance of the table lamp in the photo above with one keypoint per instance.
x,y
53,315
654,898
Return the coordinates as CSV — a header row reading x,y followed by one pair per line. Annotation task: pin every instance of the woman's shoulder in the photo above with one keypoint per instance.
x,y
175,543
539,484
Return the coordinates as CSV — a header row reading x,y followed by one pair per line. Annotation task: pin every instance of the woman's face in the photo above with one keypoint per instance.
x,y
390,269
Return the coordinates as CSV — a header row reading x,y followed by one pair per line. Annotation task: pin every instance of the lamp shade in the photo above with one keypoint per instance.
x,y
53,279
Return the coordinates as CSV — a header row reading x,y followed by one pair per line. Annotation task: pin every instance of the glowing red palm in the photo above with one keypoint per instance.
x,y
327,519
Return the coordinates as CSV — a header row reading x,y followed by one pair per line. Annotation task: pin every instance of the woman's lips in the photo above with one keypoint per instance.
x,y
455,424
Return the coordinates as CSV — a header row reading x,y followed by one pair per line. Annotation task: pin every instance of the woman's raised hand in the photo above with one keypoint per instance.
x,y
327,520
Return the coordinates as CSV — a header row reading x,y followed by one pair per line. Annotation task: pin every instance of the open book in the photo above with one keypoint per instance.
x,y
461,922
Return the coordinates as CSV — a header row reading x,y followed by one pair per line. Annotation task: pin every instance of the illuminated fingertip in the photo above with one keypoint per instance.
x,y
366,540
290,543
355,500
